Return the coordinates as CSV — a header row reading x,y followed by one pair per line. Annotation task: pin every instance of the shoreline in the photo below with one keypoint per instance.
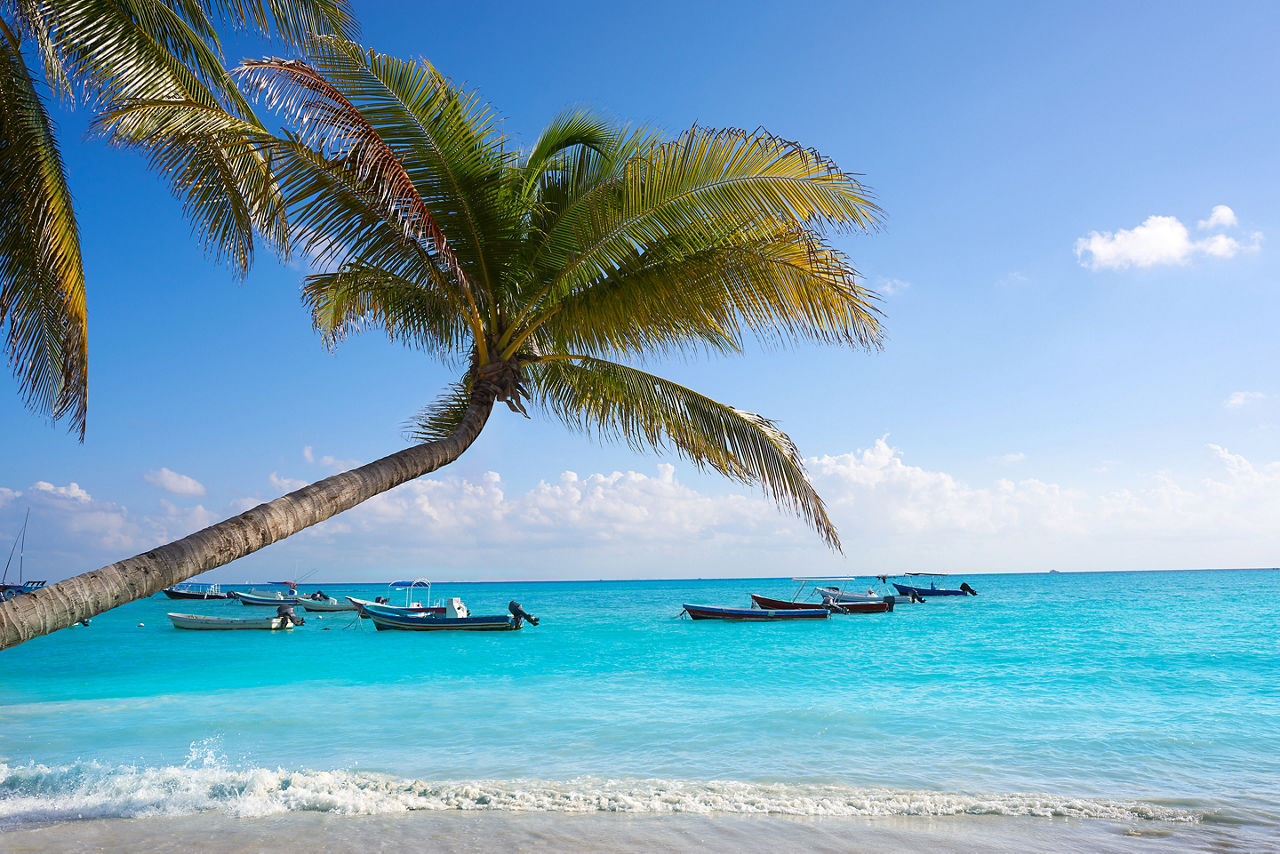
x,y
217,833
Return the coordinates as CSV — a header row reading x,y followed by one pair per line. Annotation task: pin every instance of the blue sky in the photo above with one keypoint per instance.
x,y
1077,268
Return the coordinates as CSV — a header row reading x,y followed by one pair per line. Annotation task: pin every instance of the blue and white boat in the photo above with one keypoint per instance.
x,y
266,597
455,617
933,589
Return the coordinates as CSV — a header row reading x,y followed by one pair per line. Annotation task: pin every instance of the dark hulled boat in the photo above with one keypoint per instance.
x,y
880,607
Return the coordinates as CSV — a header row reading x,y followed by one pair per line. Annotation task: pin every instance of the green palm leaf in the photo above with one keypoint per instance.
x,y
647,411
42,301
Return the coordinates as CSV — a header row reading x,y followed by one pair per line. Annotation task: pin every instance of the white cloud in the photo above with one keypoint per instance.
x,y
171,481
308,455
1011,458
285,484
890,287
892,517
1220,217
71,491
1160,241
1240,398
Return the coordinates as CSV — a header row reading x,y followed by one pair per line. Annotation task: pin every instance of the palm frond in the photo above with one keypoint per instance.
x,y
357,297
42,300
338,132
730,177
618,402
442,417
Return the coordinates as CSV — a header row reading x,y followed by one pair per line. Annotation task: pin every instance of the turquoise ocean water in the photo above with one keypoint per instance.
x,y
1146,701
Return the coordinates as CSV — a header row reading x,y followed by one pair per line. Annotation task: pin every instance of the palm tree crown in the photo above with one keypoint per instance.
x,y
547,271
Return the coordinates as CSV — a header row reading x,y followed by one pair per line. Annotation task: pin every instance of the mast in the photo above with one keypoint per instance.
x,y
21,538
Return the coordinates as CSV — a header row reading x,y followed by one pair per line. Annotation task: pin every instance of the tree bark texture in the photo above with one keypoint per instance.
x,y
66,603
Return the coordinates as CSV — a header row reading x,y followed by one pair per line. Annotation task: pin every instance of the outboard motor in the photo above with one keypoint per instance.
x,y
916,597
967,589
286,611
521,614
888,601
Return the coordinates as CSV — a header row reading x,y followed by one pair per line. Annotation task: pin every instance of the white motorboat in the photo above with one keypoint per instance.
x,y
204,621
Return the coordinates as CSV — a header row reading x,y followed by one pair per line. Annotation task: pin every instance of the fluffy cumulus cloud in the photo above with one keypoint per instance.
x,y
1163,241
171,481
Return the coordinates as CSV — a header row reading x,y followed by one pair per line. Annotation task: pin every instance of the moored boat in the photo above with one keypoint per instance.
x,y
326,603
754,615
364,606
265,597
205,621
195,591
7,589
455,617
767,603
933,589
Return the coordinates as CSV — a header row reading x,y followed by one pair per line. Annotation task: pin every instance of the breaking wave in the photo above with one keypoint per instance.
x,y
34,793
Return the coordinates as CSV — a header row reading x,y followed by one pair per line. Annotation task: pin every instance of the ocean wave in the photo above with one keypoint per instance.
x,y
34,793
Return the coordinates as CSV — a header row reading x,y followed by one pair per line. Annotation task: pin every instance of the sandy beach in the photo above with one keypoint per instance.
x,y
462,832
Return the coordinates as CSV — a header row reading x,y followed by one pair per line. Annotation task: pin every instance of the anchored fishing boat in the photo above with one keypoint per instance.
x,y
769,604
933,589
456,616
754,615
204,621
195,591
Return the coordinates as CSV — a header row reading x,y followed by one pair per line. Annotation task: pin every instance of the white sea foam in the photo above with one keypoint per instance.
x,y
35,793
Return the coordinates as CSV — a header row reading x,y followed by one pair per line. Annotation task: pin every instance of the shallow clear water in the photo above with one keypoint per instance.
x,y
1150,699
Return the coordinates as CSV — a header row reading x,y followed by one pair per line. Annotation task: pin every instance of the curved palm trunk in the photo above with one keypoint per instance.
x,y
66,603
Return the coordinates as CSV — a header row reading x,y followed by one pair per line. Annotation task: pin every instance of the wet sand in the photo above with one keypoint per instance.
x,y
465,832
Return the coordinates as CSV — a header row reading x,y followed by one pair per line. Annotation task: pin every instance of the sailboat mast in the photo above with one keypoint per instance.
x,y
21,538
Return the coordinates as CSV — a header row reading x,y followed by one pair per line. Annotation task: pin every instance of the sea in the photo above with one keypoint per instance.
x,y
1112,711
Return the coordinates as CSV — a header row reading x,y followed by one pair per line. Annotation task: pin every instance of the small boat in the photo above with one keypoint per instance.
x,y
364,606
195,591
455,617
754,615
319,602
204,621
933,589
7,589
266,597
844,596
884,605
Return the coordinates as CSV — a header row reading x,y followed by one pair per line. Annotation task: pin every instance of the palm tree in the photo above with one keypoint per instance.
x,y
543,276
108,53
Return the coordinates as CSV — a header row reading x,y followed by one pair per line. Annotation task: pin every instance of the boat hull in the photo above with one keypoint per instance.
x,y
265,600
884,605
209,623
433,623
173,593
326,605
754,615
926,592
365,607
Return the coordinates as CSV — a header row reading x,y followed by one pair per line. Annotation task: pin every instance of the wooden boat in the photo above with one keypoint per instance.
x,y
204,621
265,597
886,604
754,615
195,591
933,589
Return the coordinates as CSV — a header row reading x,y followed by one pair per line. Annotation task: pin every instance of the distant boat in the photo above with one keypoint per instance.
x,y
884,605
195,591
754,615
845,596
933,589
204,621
7,590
